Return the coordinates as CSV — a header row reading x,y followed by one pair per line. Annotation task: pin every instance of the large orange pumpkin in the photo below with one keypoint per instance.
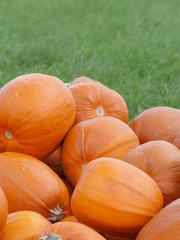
x,y
54,162
115,197
161,161
29,184
95,138
23,225
93,100
158,123
67,231
3,209
37,111
165,225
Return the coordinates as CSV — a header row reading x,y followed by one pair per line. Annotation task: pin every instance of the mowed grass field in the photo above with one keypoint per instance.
x,y
130,46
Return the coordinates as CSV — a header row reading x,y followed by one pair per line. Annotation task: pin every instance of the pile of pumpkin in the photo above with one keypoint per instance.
x,y
71,167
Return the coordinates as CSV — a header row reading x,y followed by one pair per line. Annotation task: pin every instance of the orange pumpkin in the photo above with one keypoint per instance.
x,y
67,231
29,184
37,111
95,138
165,225
54,162
161,161
3,209
23,225
177,140
158,123
115,197
94,100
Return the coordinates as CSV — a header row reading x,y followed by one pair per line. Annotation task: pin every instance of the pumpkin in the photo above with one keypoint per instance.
x,y
95,138
69,230
115,197
161,161
158,123
177,140
94,100
37,111
54,162
3,209
165,224
69,219
29,184
23,225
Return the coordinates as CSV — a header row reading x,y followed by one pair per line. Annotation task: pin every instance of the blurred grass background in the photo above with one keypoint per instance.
x,y
130,46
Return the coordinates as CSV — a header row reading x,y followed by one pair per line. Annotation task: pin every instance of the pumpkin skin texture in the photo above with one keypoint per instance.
x,y
54,162
94,100
165,225
70,230
98,137
23,225
158,123
161,161
37,111
69,219
29,184
3,209
177,140
115,197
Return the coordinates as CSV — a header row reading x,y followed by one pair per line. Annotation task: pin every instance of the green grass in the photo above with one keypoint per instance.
x,y
131,46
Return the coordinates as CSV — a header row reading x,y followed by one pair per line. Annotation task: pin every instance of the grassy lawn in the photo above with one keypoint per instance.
x,y
131,46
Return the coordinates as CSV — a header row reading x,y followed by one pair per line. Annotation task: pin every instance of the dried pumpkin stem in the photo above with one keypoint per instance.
x,y
56,214
51,236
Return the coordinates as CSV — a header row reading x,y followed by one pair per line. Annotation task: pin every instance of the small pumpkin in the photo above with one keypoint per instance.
x,y
158,123
23,225
165,224
115,197
54,162
95,138
29,184
3,209
94,100
161,161
69,230
37,111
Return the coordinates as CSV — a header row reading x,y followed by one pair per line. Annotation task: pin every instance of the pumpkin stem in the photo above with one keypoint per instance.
x,y
67,84
8,135
51,236
56,214
83,166
100,111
